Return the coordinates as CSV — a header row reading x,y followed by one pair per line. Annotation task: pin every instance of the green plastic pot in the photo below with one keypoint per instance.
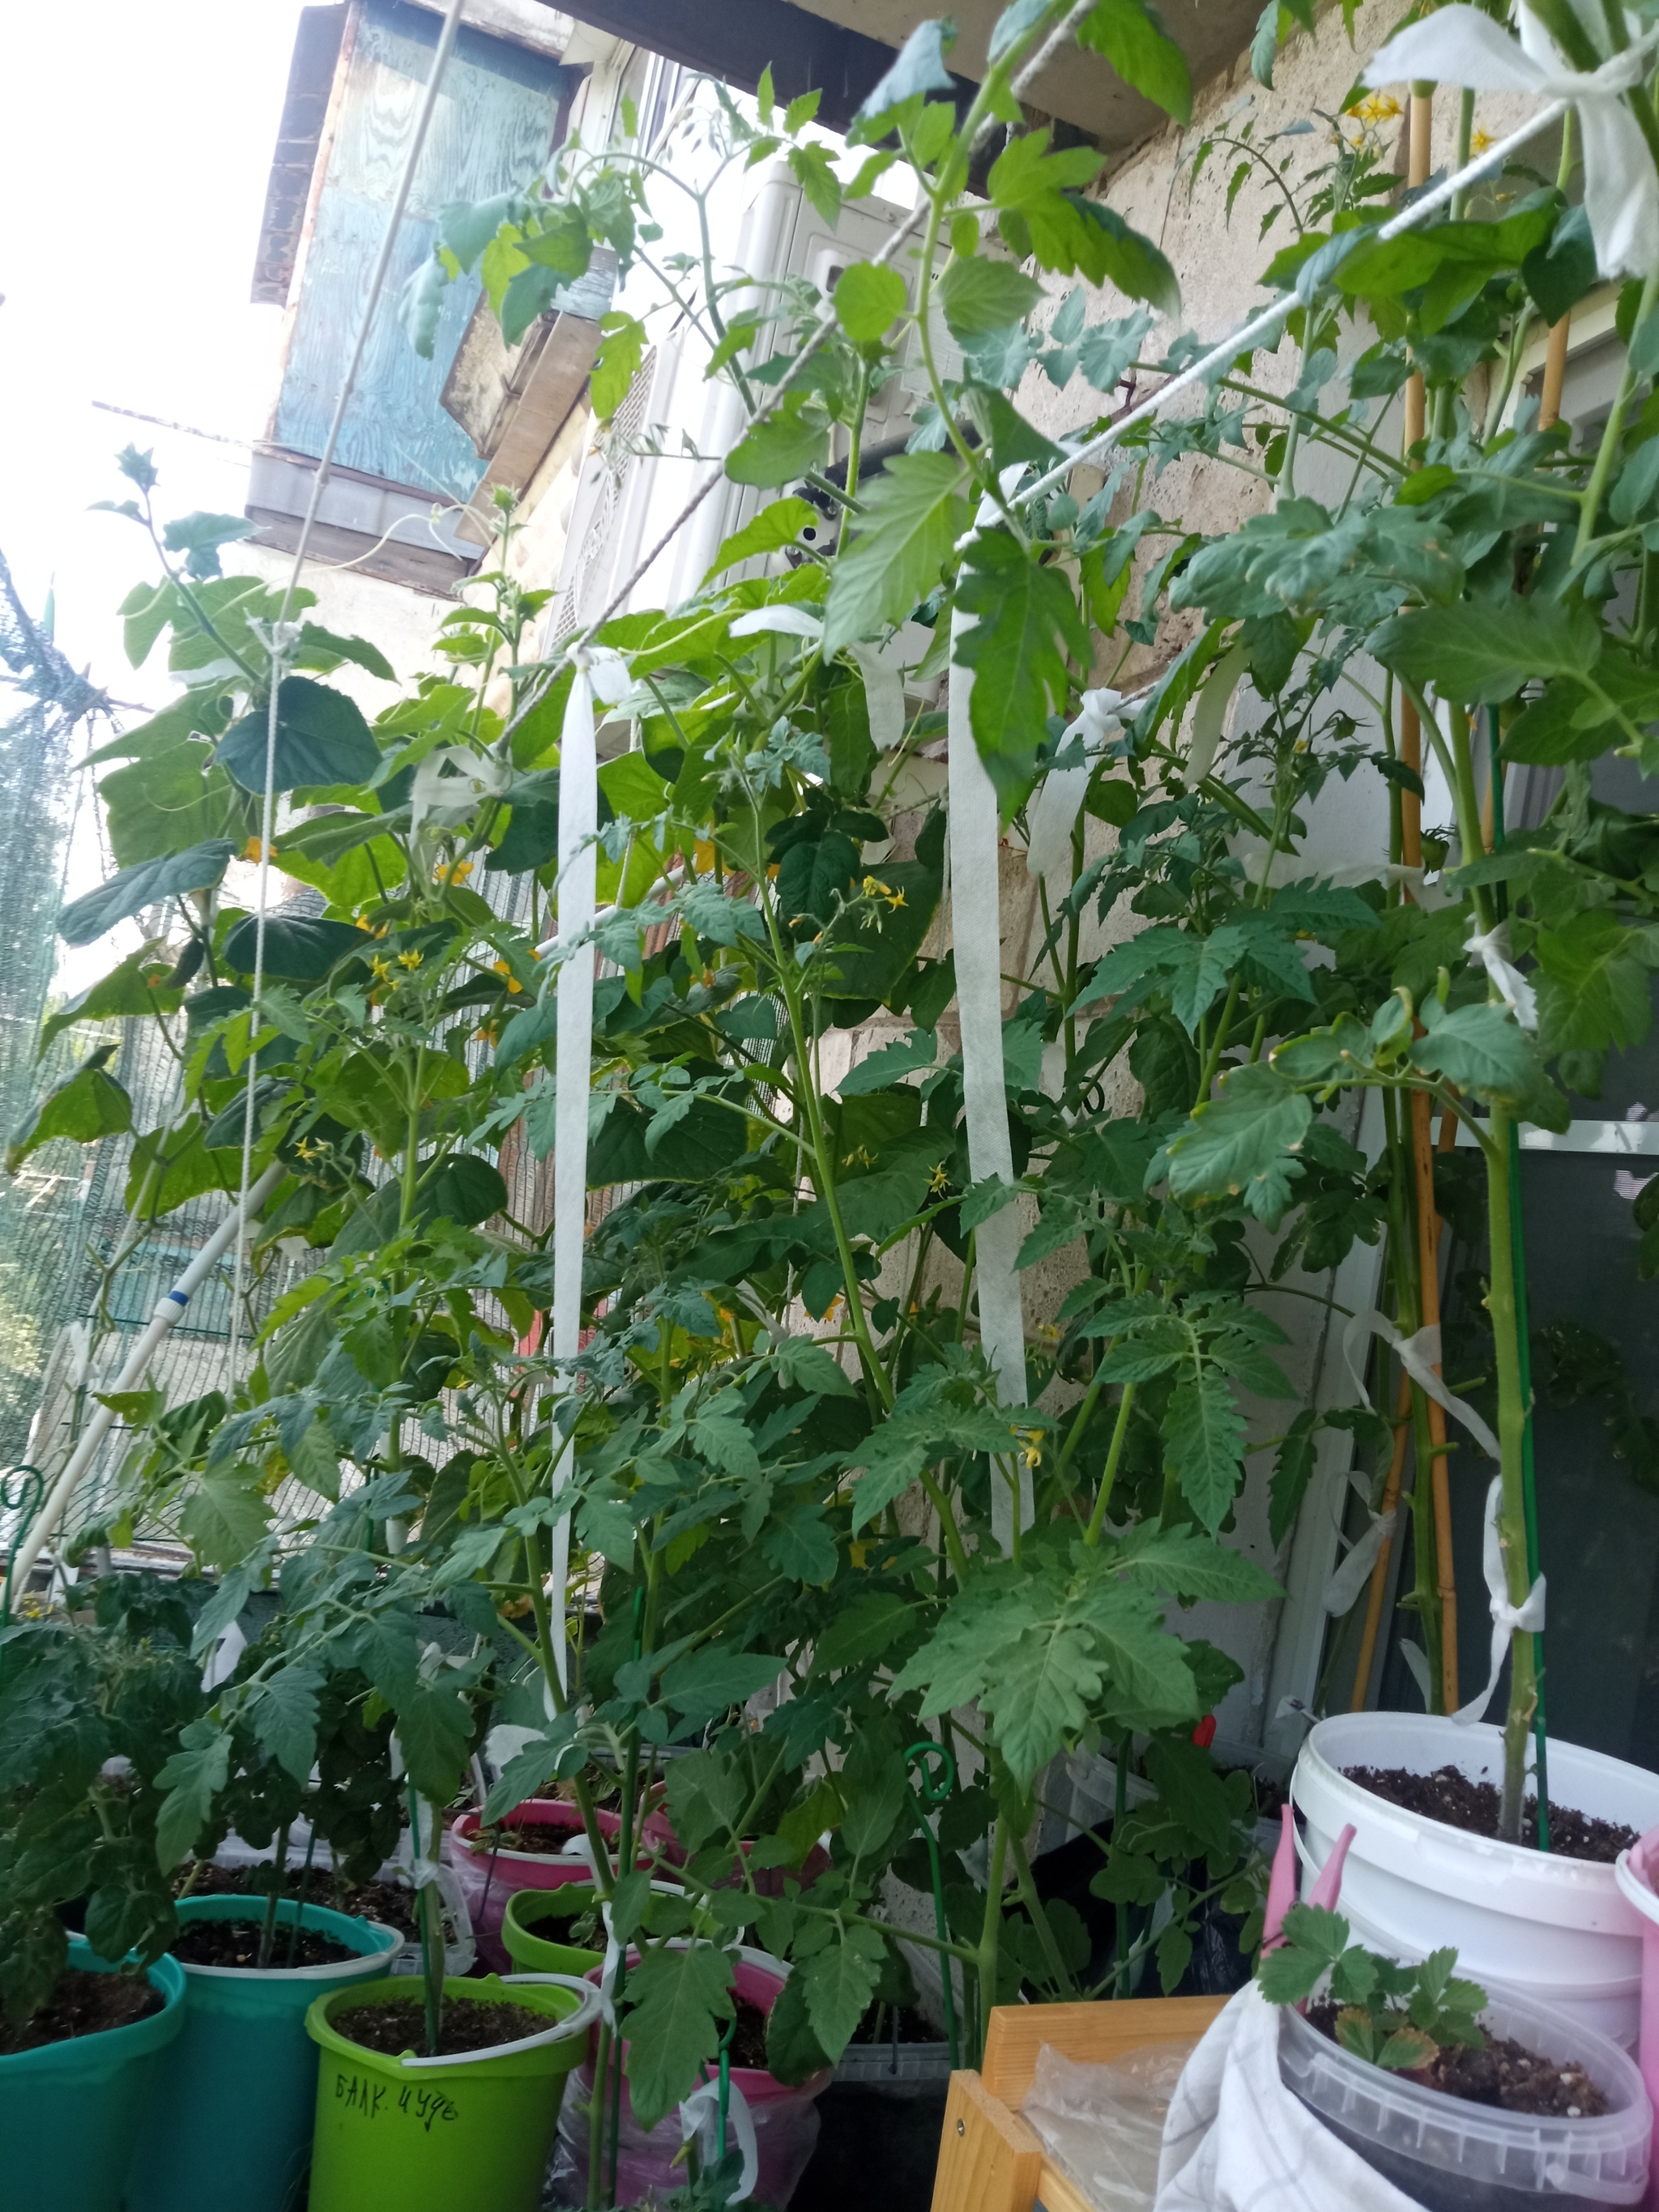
x,y
529,1911
470,2134
232,2119
69,2111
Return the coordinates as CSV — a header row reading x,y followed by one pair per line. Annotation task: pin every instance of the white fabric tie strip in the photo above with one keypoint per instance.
x,y
976,929
1054,810
609,1971
1491,950
1505,1618
445,800
700,2115
1460,45
1419,1355
603,676
1354,1571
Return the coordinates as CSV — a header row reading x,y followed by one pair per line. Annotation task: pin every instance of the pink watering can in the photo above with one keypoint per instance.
x,y
1635,1871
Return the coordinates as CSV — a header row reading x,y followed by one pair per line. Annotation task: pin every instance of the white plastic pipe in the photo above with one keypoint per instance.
x,y
162,1322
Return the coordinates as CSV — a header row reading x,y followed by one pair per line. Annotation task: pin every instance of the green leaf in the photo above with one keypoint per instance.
x,y
192,1777
1026,621
801,1545
1142,52
675,1999
321,739
1241,1143
1479,654
711,1681
805,1365
616,364
984,294
88,1105
199,537
1110,250
839,1984
1292,1472
300,947
325,649
914,513
435,1732
869,300
784,445
863,1629
284,1716
1187,1565
919,70
147,884
1558,274
223,1519
773,528
1479,1047
1204,1444
131,988
1593,985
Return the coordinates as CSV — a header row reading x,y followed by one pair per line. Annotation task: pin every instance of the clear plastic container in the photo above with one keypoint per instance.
x,y
1457,2157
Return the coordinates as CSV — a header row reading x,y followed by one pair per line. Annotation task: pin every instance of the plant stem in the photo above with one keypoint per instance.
x,y
1091,1534
1512,1512
1045,1933
278,1876
1612,434
992,1929
432,1932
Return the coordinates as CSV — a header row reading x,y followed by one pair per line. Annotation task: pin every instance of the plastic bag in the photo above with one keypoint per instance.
x,y
650,2165
1103,2125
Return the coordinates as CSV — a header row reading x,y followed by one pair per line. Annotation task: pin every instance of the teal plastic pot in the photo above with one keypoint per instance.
x,y
231,2123
468,2134
70,2112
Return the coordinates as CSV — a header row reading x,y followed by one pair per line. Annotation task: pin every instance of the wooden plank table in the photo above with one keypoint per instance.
x,y
990,2160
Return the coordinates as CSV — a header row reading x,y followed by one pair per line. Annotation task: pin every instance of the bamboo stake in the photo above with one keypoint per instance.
x,y
1555,370
1362,1672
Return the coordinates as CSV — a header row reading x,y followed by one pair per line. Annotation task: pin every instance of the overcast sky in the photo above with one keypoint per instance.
x,y
135,142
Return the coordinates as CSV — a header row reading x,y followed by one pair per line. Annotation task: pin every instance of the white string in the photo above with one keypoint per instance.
x,y
825,322
281,636
1250,334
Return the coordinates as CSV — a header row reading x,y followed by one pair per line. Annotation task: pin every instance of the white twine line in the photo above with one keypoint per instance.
x,y
826,320
281,636
1506,1619
1249,334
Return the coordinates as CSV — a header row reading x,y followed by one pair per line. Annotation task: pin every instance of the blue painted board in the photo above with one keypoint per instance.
x,y
493,128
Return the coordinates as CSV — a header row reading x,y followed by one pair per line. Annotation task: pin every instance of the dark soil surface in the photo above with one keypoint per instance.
x,y
400,2026
877,2026
236,1943
540,1838
1451,1797
388,1902
1505,2073
82,2004
748,2037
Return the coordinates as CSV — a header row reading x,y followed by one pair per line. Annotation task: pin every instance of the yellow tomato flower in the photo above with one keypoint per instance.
x,y
502,968
703,855
381,967
411,960
253,850
456,871
1479,142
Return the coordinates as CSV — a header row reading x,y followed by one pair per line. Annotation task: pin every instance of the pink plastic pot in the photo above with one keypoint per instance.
x,y
659,1833
786,2119
488,1877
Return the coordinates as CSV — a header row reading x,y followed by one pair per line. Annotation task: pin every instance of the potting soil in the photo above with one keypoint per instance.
x,y
1449,1797
538,1838
748,2037
400,2026
82,2003
1503,2073
388,1902
236,1943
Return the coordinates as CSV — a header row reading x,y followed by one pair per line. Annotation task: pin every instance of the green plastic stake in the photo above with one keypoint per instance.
x,y
931,1786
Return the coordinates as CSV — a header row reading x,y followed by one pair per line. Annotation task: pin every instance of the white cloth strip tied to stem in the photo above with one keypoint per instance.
x,y
1055,810
1419,1355
700,2120
976,935
1506,1619
1492,948
1354,1570
600,674
1460,45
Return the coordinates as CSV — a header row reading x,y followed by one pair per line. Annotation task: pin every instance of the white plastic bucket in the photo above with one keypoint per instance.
x,y
1556,1928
